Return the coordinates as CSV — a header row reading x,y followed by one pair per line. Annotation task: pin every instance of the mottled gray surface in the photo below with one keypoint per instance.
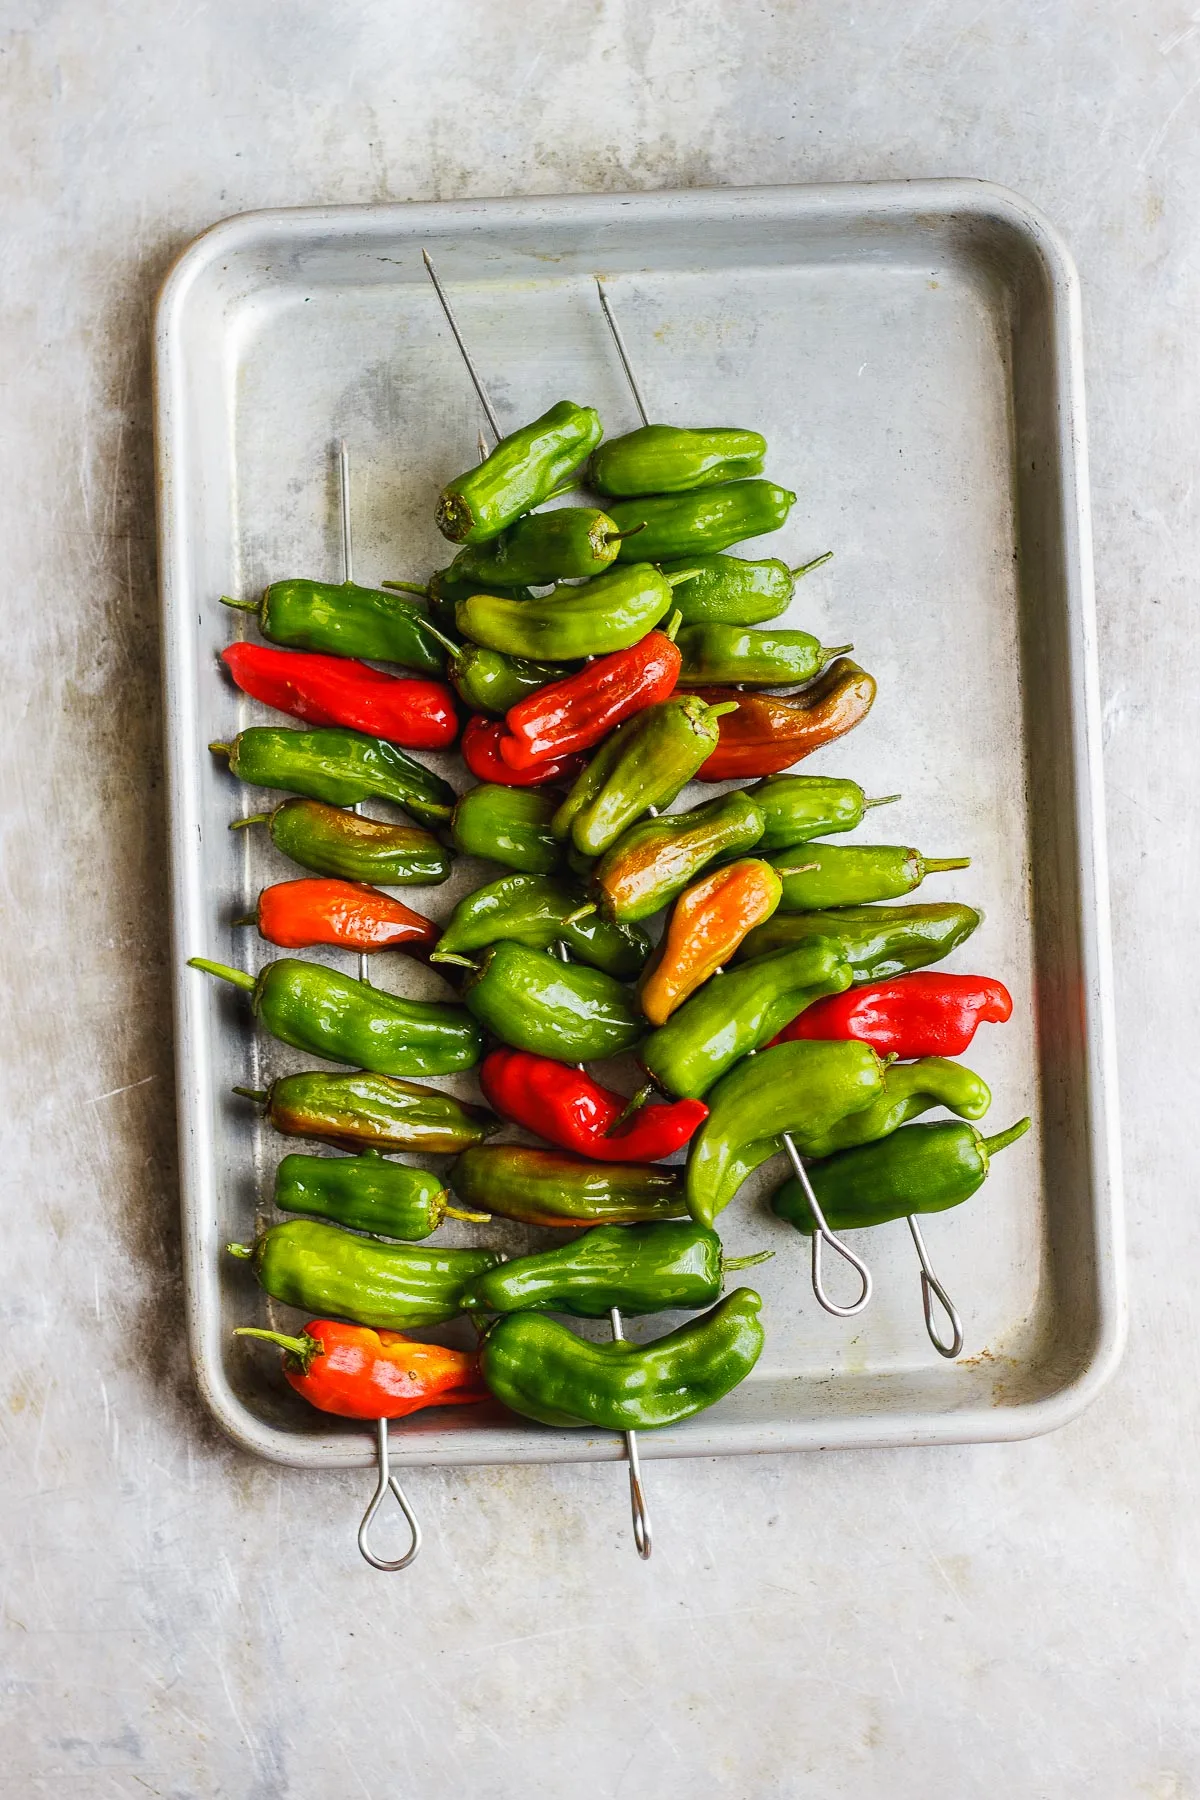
x,y
182,1621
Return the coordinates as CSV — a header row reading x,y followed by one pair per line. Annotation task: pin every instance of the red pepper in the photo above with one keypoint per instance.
x,y
769,732
482,747
925,1014
336,690
566,1107
358,1373
575,713
296,914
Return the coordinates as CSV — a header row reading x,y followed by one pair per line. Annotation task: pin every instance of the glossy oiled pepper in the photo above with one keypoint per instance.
x,y
298,914
664,459
638,1268
750,656
541,1369
546,1187
796,808
711,519
537,910
772,731
566,1107
576,713
796,1087
329,1014
731,591
828,875
339,767
877,941
481,745
924,1168
346,620
610,613
367,1193
331,690
443,592
333,842
708,922
509,825
532,1001
372,1111
912,1015
356,1373
521,472
566,544
738,1012
655,859
909,1089
322,1269
488,681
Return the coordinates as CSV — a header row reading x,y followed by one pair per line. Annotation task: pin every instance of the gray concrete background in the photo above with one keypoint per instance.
x,y
181,1621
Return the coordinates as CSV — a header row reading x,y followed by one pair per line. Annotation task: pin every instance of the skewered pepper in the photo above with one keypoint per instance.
x,y
298,914
541,1369
877,941
913,1015
508,825
489,681
610,613
638,1268
372,1110
367,1193
538,911
332,690
563,545
567,1108
730,591
356,1373
532,1001
825,875
481,746
655,859
333,842
708,923
544,1187
922,1169
339,767
665,459
576,713
796,808
346,620
773,731
710,519
909,1089
325,1270
521,472
750,656
443,593
329,1014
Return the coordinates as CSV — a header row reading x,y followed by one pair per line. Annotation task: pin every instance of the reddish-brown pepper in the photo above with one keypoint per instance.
x,y
336,690
769,732
358,1373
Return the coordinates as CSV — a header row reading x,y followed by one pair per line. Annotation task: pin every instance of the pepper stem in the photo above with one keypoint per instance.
x,y
222,749
448,956
250,819
240,605
681,576
238,977
808,567
937,865
581,912
259,1094
446,643
633,1105
883,800
1004,1138
407,587
244,1251
673,624
303,1348
614,537
246,919
726,706
472,1218
832,650
746,1262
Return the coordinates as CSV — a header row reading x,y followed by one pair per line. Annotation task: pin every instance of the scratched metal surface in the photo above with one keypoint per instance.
x,y
183,1620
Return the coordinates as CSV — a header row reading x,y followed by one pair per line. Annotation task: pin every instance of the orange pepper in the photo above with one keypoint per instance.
x,y
297,914
358,1373
709,921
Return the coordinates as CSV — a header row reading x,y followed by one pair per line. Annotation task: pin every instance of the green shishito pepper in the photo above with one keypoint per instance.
x,y
646,762
738,1012
796,808
367,1193
372,1111
539,912
712,519
488,681
443,591
772,1093
652,862
728,590
541,1369
346,620
750,657
924,1168
329,1014
337,766
638,1268
909,1089
548,1187
531,1000
508,825
392,1287
611,613
333,842
569,543
877,941
521,472
665,459
852,874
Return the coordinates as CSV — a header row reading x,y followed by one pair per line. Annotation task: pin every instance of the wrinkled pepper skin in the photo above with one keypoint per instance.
x,y
330,841
710,519
322,1269
611,613
521,472
665,459
574,714
539,1368
364,1111
356,1373
566,544
566,1107
347,620
296,915
481,745
738,1012
532,1001
911,1015
796,1087
330,690
488,681
653,861
508,825
826,875
646,762
877,941
365,1193
749,656
728,590
796,808
770,732
638,1268
547,1187
909,1089
339,767
326,1013
922,1169
535,910
709,921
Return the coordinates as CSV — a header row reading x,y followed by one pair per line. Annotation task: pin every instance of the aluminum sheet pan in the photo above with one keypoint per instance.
x,y
912,351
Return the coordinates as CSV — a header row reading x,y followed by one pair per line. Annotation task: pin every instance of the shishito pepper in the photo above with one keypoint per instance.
x,y
331,690
521,472
329,1014
488,681
909,1089
509,825
575,713
750,656
366,1193
594,619
772,731
796,808
912,1015
538,911
566,544
346,620
922,1169
546,1187
708,922
710,519
339,767
728,590
443,591
828,875
331,841
541,1369
566,1107
638,1268
877,941
481,745
532,1001
654,860
372,1111
298,914
666,459
356,1373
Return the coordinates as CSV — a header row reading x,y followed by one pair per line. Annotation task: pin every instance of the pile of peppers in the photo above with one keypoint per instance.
x,y
590,660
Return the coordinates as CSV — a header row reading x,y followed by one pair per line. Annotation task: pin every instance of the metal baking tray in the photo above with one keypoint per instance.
x,y
912,351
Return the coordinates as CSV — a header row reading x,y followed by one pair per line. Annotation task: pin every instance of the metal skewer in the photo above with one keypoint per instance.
x,y
472,371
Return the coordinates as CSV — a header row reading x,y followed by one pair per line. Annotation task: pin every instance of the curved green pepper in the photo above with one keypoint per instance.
x,y
367,1193
729,590
781,1090
750,657
338,766
443,591
796,808
508,825
652,862
521,472
320,1010
548,1187
346,620
372,1110
489,681
638,1268
712,519
909,1089
851,874
665,459
922,1169
877,941
611,613
738,1012
567,543
532,1001
333,842
538,911
393,1287
541,1369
